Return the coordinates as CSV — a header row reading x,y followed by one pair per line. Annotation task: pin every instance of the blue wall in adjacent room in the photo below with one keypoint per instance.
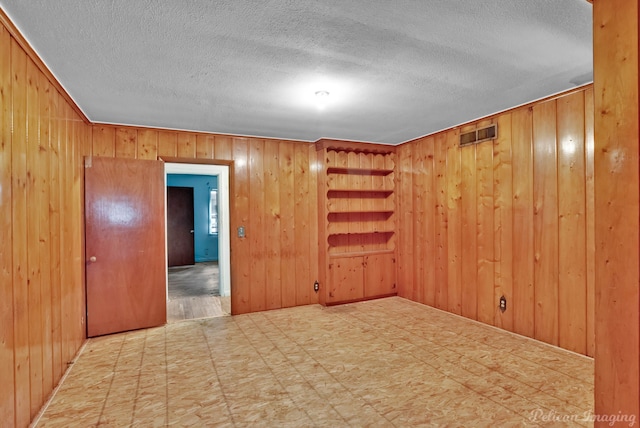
x,y
206,246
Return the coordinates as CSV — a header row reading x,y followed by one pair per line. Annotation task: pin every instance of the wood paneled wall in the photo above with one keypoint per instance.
x,y
511,217
616,36
275,199
41,244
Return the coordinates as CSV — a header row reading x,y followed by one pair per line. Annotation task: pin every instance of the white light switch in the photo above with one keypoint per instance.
x,y
241,232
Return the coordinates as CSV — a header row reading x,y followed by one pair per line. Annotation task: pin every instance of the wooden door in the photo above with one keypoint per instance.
x,y
125,241
180,241
346,279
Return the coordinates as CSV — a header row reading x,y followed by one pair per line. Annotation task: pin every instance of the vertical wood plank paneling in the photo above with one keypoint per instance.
x,y
126,142
302,232
44,244
590,221
7,398
241,272
54,227
454,223
404,199
204,146
272,225
617,191
421,252
503,222
468,225
523,249
34,294
572,281
223,147
186,145
34,345
147,144
19,233
257,244
545,191
287,224
485,233
441,266
167,143
103,140
431,218
314,229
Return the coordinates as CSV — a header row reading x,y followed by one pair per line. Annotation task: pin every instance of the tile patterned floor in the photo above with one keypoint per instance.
x,y
388,362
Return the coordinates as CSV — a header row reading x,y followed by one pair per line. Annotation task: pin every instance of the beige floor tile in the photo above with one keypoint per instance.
x,y
387,362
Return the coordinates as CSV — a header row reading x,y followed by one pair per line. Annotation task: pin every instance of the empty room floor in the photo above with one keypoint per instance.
x,y
387,362
194,292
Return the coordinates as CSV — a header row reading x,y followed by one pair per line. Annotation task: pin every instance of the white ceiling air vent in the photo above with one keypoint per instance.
x,y
479,135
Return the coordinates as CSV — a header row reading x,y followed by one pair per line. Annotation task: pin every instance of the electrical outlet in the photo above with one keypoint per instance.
x,y
503,304
316,286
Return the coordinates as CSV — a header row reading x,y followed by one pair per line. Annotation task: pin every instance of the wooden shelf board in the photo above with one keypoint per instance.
x,y
385,191
371,232
362,212
360,253
358,171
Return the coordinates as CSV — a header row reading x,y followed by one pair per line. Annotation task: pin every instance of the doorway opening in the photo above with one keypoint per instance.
x,y
198,248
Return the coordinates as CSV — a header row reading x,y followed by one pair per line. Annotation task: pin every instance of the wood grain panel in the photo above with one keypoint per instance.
x,y
272,225
590,241
302,214
454,222
186,147
314,229
257,243
468,226
44,245
7,316
241,272
167,143
126,143
617,191
523,249
424,217
545,221
572,282
34,346
19,232
405,222
287,232
223,147
147,144
55,244
204,146
503,221
103,140
441,244
485,232
34,284
428,288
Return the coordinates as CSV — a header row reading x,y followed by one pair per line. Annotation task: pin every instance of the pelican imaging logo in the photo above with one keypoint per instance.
x,y
544,415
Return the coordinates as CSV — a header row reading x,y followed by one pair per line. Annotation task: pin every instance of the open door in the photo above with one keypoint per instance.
x,y
125,245
180,226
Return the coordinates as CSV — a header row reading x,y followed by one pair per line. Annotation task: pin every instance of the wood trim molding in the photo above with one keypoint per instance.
x,y
31,53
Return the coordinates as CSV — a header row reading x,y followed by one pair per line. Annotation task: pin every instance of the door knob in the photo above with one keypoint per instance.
x,y
92,259
191,231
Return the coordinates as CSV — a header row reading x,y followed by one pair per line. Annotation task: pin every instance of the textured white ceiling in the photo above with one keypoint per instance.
x,y
395,70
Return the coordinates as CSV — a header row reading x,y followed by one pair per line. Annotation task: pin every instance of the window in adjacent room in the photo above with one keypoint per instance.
x,y
213,212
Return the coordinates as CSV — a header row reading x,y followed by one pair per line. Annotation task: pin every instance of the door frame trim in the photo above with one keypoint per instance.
x,y
224,171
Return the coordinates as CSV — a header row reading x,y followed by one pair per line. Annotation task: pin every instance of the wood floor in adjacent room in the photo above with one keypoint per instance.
x,y
388,362
194,292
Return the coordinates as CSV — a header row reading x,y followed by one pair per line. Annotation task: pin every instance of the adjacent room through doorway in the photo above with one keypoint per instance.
x,y
196,210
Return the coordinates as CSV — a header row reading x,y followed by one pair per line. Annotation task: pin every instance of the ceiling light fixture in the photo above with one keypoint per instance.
x,y
321,99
